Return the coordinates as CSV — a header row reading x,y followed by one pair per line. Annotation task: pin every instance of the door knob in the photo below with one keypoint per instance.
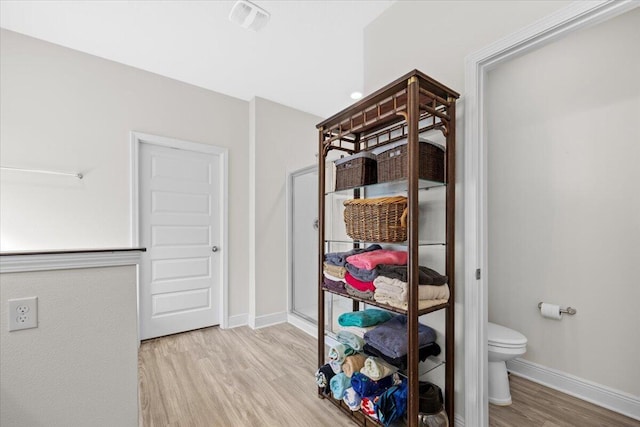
x,y
214,249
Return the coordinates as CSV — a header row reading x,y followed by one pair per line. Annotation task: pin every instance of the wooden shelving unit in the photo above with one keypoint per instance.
x,y
405,108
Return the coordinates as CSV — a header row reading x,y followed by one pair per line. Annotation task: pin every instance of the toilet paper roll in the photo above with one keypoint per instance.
x,y
551,311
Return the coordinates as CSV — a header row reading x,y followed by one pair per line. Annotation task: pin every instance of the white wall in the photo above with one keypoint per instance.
x,y
65,110
435,37
564,201
282,140
79,367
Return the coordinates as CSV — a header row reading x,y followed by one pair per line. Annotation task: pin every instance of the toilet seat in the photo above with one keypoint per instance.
x,y
502,337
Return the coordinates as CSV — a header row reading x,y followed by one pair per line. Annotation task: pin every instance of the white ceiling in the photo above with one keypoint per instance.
x,y
309,56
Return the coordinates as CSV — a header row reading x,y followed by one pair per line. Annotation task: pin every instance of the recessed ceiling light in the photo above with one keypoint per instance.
x,y
356,95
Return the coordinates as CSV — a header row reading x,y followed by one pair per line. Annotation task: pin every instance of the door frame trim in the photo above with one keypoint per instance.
x,y
571,18
137,138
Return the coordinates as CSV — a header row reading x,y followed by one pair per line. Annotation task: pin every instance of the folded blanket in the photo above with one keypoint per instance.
x,y
361,273
357,330
426,276
392,404
368,406
432,349
365,386
369,260
338,384
353,364
364,318
350,339
334,270
358,294
340,258
332,277
376,368
422,304
358,284
339,352
334,286
323,377
391,337
352,399
399,290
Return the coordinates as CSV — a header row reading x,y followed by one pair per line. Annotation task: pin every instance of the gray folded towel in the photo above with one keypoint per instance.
x,y
361,273
340,258
426,276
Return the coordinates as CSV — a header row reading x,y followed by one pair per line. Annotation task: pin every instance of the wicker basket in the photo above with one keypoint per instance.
x,y
393,164
382,219
354,171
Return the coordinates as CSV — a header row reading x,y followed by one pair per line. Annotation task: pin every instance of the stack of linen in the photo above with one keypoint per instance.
x,y
334,269
391,287
362,271
363,372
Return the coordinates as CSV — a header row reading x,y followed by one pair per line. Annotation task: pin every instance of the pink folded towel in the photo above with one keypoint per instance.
x,y
358,284
369,260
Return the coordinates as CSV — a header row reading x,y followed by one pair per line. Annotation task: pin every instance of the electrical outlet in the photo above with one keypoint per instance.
x,y
23,313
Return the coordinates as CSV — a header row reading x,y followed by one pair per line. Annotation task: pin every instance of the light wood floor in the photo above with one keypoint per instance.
x,y
264,378
539,406
233,378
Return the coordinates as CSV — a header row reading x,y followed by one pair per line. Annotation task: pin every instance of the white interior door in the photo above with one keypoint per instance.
x,y
179,203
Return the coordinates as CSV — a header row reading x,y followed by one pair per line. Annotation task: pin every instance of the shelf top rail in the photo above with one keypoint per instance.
x,y
428,85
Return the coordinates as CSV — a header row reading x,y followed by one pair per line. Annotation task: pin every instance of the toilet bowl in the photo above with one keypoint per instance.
x,y
504,344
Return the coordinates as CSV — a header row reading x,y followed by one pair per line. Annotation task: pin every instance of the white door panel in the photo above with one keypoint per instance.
x,y
179,217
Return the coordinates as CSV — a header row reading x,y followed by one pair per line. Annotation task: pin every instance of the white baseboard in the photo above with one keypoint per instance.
x,y
237,320
303,325
597,394
268,320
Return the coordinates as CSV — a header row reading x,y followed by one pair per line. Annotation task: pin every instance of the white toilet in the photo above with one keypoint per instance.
x,y
504,344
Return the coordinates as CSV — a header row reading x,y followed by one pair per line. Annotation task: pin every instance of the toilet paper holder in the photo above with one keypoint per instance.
x,y
567,310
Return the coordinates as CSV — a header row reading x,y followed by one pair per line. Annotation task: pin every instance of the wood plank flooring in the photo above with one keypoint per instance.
x,y
538,406
264,378
233,378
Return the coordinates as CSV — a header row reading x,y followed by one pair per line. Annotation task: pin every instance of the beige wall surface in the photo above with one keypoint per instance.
x,y
435,37
64,110
564,201
283,140
79,366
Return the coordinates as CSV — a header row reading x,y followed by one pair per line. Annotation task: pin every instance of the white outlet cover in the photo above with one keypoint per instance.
x,y
23,313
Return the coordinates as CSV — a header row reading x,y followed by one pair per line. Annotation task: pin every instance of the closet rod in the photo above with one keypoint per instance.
x,y
77,175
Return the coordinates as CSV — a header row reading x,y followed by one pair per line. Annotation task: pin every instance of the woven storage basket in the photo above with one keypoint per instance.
x,y
393,164
381,219
354,171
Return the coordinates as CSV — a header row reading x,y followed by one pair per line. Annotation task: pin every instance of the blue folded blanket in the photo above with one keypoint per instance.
x,y
365,386
361,273
364,318
340,258
391,339
338,384
392,404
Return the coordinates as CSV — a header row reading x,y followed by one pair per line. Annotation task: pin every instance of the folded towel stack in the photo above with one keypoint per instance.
x,y
396,293
340,258
334,270
364,318
426,276
361,273
390,338
369,260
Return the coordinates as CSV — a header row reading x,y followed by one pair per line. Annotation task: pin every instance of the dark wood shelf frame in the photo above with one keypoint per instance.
x,y
410,105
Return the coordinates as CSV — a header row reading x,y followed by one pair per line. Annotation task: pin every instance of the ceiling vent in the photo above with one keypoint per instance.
x,y
249,15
